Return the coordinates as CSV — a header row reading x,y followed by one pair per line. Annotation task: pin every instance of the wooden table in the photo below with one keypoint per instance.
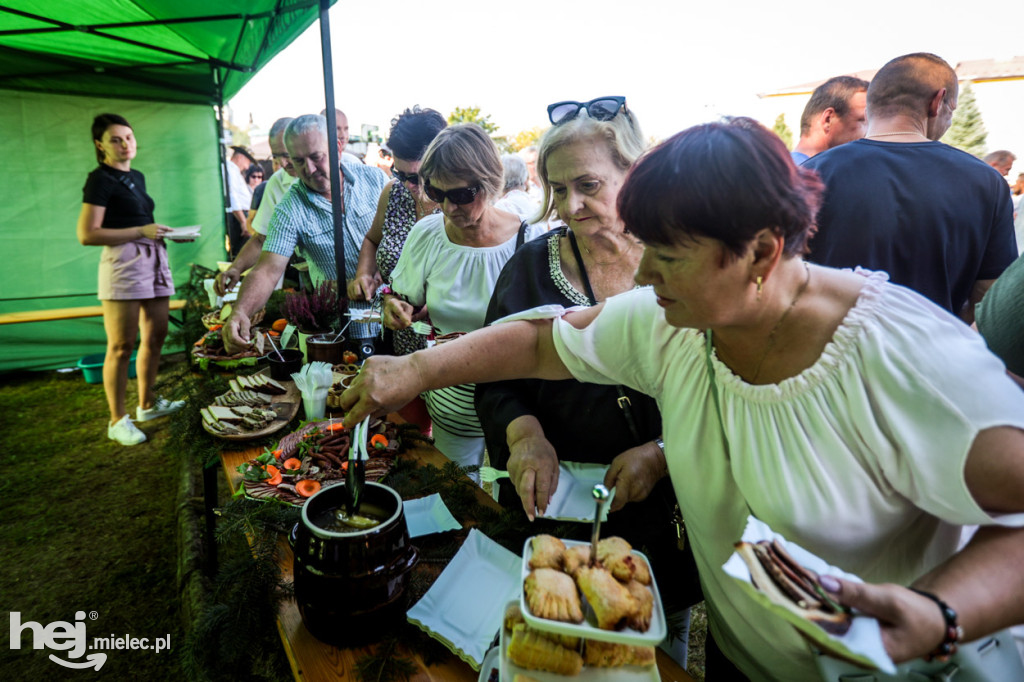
x,y
313,660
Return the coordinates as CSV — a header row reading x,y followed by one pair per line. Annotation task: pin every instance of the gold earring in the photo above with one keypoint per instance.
x,y
760,286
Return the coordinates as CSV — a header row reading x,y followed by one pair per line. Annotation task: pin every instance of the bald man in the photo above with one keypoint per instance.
x,y
937,219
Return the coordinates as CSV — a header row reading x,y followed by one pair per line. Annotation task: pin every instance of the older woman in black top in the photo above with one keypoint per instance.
x,y
530,424
134,280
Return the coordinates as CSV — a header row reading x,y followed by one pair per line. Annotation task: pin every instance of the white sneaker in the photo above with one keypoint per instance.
x,y
160,408
125,432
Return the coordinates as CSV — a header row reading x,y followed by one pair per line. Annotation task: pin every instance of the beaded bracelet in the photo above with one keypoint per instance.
x,y
954,633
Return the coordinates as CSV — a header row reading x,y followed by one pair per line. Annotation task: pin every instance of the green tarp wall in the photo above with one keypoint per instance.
x,y
44,265
162,64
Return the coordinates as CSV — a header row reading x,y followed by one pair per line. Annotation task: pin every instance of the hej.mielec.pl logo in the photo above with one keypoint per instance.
x,y
70,637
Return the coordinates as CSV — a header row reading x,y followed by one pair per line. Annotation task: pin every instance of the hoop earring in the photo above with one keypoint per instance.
x,y
760,286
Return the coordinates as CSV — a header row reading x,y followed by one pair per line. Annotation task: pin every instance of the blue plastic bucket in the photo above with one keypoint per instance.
x,y
92,367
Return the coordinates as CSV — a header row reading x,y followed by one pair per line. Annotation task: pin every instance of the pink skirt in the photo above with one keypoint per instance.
x,y
135,270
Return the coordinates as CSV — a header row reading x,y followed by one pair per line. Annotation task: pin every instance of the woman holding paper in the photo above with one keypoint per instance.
x,y
135,282
848,414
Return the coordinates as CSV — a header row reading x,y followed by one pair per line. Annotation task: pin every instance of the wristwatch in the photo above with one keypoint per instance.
x,y
660,443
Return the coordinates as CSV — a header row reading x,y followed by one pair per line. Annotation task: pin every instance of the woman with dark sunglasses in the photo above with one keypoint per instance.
x,y
450,263
531,425
402,204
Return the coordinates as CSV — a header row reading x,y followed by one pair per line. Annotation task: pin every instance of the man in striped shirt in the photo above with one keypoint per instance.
x,y
304,220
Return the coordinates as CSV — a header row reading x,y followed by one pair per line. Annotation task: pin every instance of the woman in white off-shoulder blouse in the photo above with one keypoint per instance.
x,y
851,415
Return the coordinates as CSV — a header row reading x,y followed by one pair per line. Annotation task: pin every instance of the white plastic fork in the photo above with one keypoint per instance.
x,y
422,328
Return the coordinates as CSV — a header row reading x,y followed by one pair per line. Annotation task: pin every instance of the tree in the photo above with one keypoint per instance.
x,y
967,132
473,115
782,130
525,138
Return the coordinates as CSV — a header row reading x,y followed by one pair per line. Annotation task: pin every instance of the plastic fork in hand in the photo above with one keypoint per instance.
x,y
490,474
422,328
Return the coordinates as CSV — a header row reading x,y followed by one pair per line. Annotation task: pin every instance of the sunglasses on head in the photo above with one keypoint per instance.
x,y
459,196
412,178
601,109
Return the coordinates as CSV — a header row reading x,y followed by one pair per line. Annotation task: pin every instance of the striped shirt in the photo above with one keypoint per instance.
x,y
304,220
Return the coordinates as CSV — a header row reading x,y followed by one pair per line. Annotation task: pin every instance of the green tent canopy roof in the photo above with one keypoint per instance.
x,y
187,51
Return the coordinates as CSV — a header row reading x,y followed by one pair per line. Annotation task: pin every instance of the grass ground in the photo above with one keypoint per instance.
x,y
89,525
85,525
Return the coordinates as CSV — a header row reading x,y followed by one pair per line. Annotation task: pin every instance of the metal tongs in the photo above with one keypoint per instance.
x,y
356,474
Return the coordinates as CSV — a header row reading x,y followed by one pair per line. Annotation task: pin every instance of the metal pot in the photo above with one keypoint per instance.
x,y
351,586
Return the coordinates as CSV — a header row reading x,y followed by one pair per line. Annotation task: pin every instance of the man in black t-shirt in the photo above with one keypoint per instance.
x,y
935,218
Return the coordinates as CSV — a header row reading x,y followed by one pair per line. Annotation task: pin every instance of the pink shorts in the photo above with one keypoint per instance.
x,y
135,270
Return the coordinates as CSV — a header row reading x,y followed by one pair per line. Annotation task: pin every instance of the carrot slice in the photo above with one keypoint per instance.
x,y
379,441
336,426
275,475
307,488
292,464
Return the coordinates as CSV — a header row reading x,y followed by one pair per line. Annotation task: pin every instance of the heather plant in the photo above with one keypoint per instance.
x,y
314,311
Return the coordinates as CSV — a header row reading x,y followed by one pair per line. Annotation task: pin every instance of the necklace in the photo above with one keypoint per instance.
x,y
775,329
904,132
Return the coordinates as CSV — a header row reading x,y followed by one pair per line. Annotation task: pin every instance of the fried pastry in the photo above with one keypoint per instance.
x,y
519,677
611,655
552,594
547,552
528,649
514,617
574,557
618,557
611,601
641,618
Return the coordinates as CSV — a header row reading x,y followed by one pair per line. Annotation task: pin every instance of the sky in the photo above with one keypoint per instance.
x,y
678,63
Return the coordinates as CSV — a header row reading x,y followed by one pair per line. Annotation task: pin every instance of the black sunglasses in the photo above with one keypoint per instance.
x,y
459,196
413,178
601,109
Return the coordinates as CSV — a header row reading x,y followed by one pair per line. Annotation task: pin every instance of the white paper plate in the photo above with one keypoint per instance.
x,y
428,515
464,607
184,234
862,642
627,673
574,499
588,628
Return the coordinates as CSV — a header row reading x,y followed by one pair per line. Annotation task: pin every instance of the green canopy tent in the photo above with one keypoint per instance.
x,y
165,65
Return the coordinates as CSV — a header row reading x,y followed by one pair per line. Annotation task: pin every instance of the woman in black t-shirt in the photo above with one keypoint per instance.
x,y
135,282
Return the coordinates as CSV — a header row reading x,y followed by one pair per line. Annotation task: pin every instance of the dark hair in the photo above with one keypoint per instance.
x,y
835,93
253,169
412,131
100,125
725,181
907,84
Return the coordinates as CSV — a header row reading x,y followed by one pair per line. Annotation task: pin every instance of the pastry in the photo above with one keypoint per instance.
x,y
611,655
641,618
528,649
574,557
552,594
618,557
547,552
514,617
611,601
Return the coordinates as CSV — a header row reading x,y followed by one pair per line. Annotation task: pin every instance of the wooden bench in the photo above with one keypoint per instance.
x,y
64,313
